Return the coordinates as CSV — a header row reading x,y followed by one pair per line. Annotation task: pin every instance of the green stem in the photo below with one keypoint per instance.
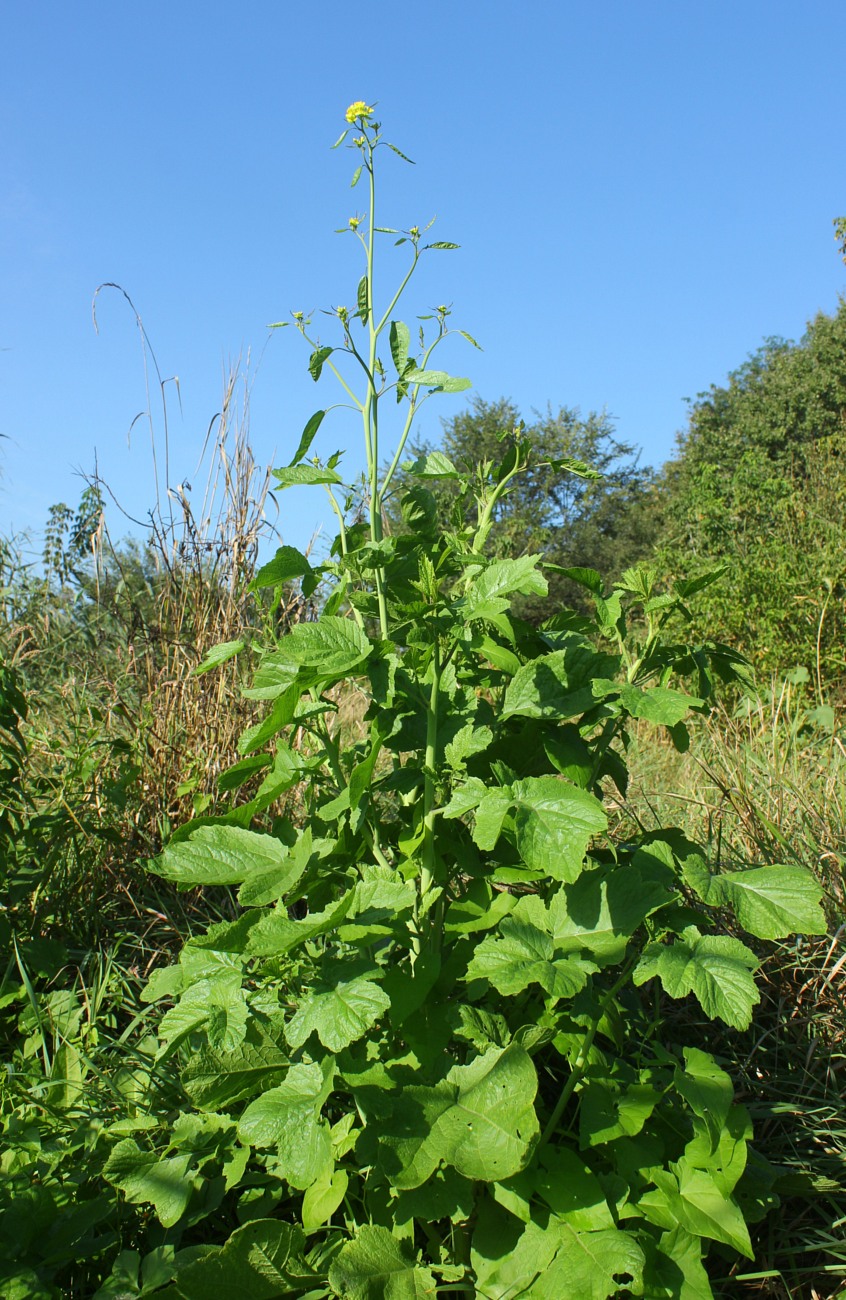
x,y
428,854
578,1071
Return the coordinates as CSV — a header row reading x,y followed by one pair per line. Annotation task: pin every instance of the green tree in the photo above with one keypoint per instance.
x,y
759,483
603,522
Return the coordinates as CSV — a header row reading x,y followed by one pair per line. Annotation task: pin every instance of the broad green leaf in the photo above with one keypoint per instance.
x,y
323,1197
376,1266
219,855
507,1256
707,1090
573,1193
307,475
480,1119
339,1015
771,902
332,646
263,1260
288,1117
657,704
607,1111
219,654
218,1005
288,563
678,1252
437,379
468,741
145,1178
592,1266
715,968
434,465
276,933
523,953
490,816
400,339
554,823
491,591
602,910
558,685
698,1205
215,1080
267,886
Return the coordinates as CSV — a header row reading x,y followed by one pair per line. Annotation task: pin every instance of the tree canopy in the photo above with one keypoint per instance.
x,y
759,484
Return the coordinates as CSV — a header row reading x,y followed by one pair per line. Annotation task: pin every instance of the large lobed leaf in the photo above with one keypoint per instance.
x,y
481,1120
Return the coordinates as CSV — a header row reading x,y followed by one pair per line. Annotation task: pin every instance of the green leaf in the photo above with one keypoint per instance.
x,y
362,300
558,685
480,1119
217,1004
607,1111
554,822
286,565
468,741
700,1206
276,933
523,953
356,177
592,1266
216,1080
400,339
332,646
438,380
658,704
239,773
440,244
771,902
339,1015
219,855
715,968
491,591
375,1266
145,1178
322,1199
267,886
288,1117
707,1090
295,475
434,465
307,438
602,910
263,1260
218,655
316,360
678,1253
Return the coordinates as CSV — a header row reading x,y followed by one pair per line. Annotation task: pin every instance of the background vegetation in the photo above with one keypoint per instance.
x,y
109,740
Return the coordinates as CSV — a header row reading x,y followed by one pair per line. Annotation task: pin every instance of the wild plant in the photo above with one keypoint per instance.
x,y
431,1054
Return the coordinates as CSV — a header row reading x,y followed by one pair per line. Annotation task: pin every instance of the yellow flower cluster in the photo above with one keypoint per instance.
x,y
358,110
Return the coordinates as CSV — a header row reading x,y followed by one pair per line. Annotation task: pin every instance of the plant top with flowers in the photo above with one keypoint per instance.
x,y
429,1053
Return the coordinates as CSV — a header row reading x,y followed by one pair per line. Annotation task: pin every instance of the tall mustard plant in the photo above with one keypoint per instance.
x,y
430,1054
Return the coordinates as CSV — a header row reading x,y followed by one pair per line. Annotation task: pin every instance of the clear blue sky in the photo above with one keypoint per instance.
x,y
642,191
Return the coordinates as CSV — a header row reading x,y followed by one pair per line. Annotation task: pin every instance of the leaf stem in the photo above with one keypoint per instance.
x,y
577,1073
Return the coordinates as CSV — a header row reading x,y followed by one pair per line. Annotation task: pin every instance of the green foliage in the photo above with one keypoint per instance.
x,y
604,519
759,484
429,1049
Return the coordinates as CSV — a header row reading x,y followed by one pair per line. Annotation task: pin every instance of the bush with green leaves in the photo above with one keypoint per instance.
x,y
759,485
429,1053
